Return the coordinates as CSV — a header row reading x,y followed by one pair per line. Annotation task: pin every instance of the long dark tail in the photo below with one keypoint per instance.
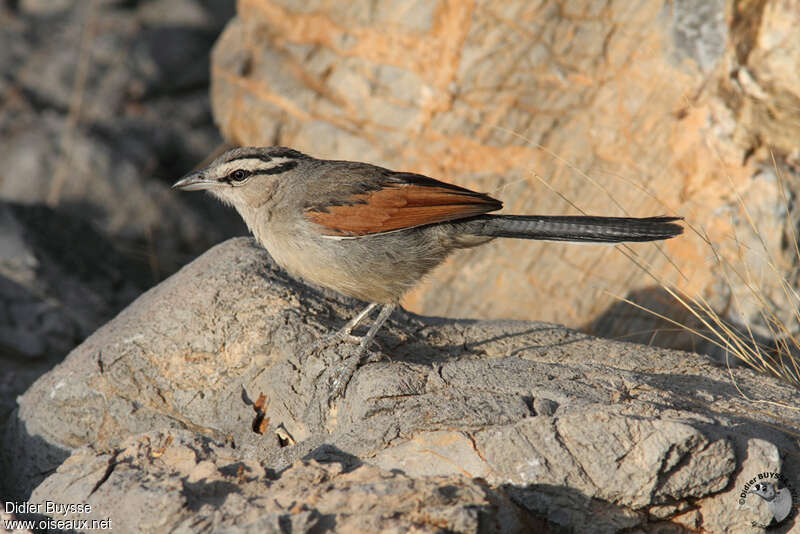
x,y
577,228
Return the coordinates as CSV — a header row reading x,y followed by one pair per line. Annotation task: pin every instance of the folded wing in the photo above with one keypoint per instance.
x,y
401,200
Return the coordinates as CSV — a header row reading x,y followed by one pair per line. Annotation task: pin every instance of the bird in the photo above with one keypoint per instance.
x,y
372,233
779,501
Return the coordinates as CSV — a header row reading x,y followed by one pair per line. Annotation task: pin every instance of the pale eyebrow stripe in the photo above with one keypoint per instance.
x,y
254,167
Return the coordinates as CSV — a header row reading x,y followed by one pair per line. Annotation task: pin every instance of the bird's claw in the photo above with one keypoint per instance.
x,y
340,378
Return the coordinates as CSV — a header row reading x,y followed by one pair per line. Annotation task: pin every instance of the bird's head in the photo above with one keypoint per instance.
x,y
245,176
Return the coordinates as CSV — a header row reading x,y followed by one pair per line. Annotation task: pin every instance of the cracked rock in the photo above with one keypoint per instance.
x,y
175,481
627,442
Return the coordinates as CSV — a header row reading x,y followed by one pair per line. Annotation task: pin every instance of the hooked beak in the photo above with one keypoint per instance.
x,y
195,181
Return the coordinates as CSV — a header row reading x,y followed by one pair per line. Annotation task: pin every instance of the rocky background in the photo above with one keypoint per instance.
x,y
103,105
193,408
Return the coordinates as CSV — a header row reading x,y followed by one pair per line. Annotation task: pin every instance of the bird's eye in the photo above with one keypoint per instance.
x,y
238,175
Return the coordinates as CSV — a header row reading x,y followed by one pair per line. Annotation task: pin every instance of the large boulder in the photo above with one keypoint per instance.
x,y
586,434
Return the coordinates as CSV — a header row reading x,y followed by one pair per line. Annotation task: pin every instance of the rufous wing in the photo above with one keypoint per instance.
x,y
397,206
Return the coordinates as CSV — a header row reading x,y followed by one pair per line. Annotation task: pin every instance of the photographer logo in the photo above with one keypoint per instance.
x,y
774,490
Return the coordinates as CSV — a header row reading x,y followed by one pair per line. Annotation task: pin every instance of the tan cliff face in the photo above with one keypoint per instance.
x,y
662,108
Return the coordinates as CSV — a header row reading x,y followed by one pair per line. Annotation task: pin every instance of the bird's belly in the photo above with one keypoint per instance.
x,y
378,268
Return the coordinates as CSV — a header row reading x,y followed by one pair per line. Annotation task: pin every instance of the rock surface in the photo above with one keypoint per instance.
x,y
175,481
585,434
60,280
643,109
105,104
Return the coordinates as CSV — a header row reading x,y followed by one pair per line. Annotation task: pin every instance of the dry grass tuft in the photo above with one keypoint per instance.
x,y
778,352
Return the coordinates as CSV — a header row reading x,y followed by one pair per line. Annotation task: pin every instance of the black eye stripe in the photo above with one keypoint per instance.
x,y
240,175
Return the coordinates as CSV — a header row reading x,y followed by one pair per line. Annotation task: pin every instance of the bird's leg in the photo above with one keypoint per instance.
x,y
345,333
342,377
347,329
384,314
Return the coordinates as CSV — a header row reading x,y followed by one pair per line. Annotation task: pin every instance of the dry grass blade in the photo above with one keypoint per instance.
x,y
781,358
742,345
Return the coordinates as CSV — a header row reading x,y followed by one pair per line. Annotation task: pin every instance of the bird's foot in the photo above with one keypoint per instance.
x,y
343,370
342,336
345,334
340,377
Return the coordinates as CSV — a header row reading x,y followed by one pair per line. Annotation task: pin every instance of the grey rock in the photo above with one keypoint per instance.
x,y
174,481
105,105
699,31
624,428
45,7
59,281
